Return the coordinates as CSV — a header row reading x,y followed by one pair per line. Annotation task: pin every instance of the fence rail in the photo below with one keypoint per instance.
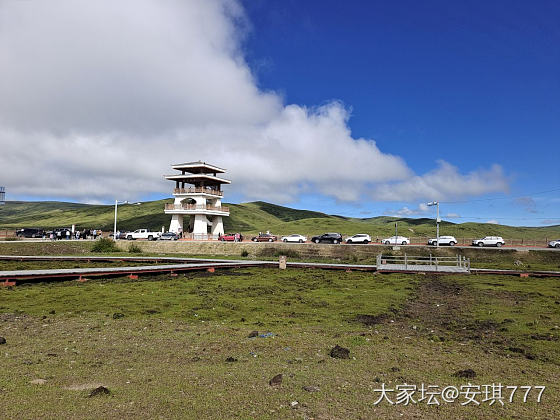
x,y
201,237
411,261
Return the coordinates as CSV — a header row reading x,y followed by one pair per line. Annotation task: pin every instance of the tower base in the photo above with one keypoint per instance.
x,y
176,225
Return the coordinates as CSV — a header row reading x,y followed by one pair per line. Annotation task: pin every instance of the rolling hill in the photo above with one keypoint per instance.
x,y
248,218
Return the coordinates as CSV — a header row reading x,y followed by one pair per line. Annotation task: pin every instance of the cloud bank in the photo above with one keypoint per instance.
x,y
97,99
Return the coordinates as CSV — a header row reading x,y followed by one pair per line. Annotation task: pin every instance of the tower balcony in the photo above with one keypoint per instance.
x,y
196,209
198,190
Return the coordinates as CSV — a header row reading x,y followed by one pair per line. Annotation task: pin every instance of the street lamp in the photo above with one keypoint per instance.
x,y
436,203
117,202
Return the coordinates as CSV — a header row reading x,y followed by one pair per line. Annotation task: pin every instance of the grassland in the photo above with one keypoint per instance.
x,y
250,218
166,354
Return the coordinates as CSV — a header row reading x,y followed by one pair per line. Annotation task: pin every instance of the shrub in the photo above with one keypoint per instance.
x,y
11,238
244,253
134,249
105,245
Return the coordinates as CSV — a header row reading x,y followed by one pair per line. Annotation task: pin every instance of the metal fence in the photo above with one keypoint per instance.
x,y
201,237
410,261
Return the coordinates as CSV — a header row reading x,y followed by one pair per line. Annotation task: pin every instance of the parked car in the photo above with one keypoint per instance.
x,y
143,234
230,237
264,237
396,240
554,244
30,233
489,241
169,236
359,238
294,238
443,240
333,238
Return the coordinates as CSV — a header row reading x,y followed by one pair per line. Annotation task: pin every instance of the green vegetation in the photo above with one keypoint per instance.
x,y
134,249
166,346
250,218
267,296
104,245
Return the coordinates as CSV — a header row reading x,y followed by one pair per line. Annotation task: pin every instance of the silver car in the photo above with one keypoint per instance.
x,y
489,241
554,244
443,240
396,240
359,238
294,238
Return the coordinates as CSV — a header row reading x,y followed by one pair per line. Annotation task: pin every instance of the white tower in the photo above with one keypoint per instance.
x,y
203,201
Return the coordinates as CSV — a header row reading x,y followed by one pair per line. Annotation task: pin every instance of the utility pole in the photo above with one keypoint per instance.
x,y
115,227
436,203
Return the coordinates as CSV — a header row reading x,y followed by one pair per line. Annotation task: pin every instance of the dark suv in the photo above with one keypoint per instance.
x,y
333,238
30,233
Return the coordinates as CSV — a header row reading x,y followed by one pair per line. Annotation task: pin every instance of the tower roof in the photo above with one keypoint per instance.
x,y
198,168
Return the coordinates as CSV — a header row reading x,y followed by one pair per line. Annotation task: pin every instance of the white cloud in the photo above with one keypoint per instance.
x,y
97,99
444,183
492,222
452,216
422,208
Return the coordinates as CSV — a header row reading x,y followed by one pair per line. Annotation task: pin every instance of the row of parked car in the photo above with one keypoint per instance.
x,y
363,238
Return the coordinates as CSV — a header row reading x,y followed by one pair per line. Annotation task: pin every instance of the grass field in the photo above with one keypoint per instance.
x,y
178,347
250,218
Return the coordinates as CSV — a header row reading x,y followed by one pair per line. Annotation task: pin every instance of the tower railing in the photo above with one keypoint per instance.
x,y
198,190
171,206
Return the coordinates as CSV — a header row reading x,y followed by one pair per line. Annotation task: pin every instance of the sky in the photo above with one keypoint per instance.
x,y
354,108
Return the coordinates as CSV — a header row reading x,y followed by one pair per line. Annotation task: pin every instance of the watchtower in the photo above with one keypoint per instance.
x,y
202,201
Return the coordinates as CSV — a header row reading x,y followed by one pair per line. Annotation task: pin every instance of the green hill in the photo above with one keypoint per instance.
x,y
248,218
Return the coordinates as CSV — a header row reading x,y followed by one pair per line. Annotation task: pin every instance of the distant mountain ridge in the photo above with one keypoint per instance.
x,y
248,218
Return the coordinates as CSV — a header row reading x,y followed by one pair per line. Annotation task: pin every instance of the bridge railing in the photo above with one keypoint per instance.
x,y
430,260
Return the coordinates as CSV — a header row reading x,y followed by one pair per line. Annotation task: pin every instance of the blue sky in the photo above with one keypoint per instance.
x,y
358,108
473,83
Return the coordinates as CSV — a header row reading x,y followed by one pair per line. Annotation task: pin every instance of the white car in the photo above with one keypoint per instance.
x,y
443,240
554,244
294,238
396,240
143,234
359,238
489,241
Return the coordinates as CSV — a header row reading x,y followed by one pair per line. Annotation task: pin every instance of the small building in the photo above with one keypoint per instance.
x,y
198,194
